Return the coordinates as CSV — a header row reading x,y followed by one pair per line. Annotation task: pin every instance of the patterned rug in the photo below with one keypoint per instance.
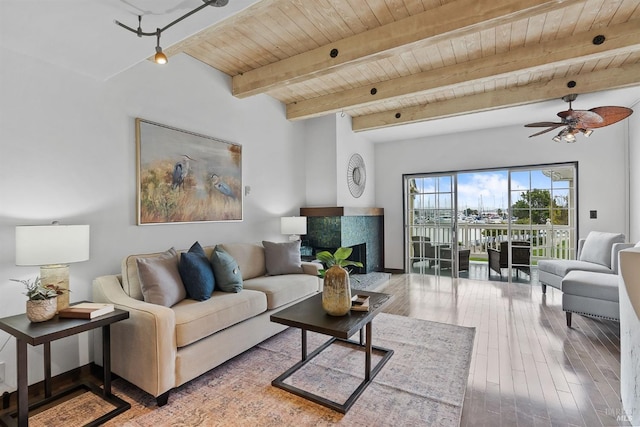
x,y
422,384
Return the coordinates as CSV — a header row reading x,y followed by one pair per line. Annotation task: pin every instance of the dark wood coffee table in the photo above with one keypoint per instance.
x,y
308,315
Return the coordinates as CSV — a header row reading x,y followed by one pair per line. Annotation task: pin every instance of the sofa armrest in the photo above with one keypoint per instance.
x,y
615,249
311,268
143,347
580,246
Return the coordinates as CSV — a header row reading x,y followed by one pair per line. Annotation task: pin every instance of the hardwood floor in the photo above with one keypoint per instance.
x,y
528,368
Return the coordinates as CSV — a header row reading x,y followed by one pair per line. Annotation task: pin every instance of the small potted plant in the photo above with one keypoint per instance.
x,y
42,300
336,292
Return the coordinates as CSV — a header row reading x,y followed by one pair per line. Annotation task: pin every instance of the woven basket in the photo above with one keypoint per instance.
x,y
41,310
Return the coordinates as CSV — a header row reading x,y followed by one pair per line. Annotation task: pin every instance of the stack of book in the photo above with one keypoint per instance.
x,y
86,310
360,303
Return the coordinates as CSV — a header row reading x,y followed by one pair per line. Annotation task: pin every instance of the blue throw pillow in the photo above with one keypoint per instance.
x,y
196,273
226,271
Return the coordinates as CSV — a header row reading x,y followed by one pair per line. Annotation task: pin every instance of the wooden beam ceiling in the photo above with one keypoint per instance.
x,y
390,62
620,39
619,77
430,26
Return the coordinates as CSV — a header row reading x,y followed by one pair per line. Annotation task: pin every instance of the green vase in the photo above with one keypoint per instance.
x,y
336,292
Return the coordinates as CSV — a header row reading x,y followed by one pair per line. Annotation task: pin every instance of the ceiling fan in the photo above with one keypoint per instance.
x,y
584,121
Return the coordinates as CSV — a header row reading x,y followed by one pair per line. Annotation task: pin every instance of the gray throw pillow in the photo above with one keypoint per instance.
x,y
226,271
160,279
597,247
282,258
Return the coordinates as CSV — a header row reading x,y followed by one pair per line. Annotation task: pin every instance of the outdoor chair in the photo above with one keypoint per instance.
x,y
463,258
520,257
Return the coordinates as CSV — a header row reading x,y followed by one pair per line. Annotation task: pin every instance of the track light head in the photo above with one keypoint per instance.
x,y
160,57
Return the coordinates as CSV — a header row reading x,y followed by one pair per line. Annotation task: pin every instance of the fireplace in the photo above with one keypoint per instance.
x,y
361,229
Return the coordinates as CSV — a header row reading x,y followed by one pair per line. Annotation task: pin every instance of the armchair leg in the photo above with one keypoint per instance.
x,y
568,313
544,288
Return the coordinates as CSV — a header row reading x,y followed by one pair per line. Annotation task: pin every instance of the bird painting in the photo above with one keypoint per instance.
x,y
180,171
221,186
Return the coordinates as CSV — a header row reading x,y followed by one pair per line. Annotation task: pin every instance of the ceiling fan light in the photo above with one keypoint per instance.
x,y
160,57
557,138
587,132
569,137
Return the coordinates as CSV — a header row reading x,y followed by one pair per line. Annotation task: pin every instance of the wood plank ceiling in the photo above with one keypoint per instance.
x,y
390,62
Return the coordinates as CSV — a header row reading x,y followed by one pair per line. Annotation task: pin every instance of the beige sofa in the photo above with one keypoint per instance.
x,y
159,348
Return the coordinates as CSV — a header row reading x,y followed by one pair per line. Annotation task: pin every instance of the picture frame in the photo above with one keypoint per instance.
x,y
186,177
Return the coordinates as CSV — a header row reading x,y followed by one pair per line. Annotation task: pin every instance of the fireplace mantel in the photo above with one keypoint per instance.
x,y
340,211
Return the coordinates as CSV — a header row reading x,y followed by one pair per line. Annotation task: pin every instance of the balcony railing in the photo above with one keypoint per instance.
x,y
547,240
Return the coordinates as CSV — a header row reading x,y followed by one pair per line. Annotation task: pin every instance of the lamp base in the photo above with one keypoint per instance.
x,y
294,237
57,275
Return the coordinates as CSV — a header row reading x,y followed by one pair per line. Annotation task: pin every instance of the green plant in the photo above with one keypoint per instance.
x,y
339,257
36,291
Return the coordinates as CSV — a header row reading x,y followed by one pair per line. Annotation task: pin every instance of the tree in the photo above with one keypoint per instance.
x,y
535,207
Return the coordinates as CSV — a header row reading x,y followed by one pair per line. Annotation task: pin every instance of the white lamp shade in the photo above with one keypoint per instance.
x,y
293,225
51,244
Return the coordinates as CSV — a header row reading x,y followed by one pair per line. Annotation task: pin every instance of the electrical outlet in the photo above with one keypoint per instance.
x,y
1,372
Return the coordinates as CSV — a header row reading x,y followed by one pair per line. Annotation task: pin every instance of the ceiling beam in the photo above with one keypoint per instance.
x,y
454,19
622,76
620,39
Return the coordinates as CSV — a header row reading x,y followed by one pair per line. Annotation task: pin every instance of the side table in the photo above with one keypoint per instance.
x,y
34,334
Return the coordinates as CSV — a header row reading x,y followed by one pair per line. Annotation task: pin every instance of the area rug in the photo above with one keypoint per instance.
x,y
422,384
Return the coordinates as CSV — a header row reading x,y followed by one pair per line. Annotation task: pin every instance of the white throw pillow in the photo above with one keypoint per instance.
x,y
597,247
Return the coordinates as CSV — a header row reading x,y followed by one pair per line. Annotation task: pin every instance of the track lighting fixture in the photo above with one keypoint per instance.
x,y
160,57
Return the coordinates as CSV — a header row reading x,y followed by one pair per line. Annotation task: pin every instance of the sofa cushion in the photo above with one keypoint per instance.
x,y
281,290
226,271
196,320
160,279
560,267
282,258
597,247
196,273
591,285
249,256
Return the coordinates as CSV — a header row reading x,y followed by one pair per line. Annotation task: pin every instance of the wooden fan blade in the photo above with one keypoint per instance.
x,y
543,124
610,115
557,125
582,118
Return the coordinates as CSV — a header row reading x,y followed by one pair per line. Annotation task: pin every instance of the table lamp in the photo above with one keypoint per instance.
x,y
294,226
53,248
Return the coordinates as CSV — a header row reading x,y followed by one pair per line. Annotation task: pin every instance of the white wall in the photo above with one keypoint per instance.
x,y
330,143
601,172
67,146
320,161
633,123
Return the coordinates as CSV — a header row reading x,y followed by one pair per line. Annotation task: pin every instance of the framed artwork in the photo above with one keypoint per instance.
x,y
186,177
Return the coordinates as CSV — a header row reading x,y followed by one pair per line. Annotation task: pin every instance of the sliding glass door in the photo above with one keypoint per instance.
x,y
431,216
504,220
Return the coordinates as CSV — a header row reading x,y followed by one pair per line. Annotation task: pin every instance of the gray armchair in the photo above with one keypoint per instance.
x,y
597,253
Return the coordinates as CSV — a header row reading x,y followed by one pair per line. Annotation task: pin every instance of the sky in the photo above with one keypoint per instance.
x,y
489,189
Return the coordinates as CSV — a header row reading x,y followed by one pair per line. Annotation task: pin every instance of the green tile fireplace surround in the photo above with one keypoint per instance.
x,y
329,228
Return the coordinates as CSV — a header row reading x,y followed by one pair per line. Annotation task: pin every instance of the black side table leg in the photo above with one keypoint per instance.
x,y
47,369
106,359
23,383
